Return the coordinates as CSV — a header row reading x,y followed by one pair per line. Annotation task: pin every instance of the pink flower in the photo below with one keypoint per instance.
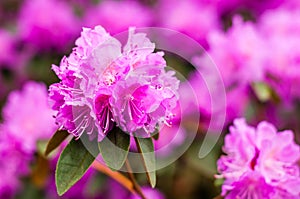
x,y
233,108
190,17
250,185
27,118
43,28
7,48
260,157
27,115
244,55
14,163
281,29
102,85
118,16
149,193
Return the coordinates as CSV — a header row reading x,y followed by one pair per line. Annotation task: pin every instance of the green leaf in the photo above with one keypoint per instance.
x,y
72,165
114,148
146,149
262,91
58,137
218,182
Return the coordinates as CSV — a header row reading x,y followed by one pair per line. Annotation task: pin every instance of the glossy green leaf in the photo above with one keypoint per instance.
x,y
114,148
58,137
146,149
72,165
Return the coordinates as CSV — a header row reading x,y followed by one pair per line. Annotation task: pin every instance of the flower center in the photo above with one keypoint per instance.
x,y
254,159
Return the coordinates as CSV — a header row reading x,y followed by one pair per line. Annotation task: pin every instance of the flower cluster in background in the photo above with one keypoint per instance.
x,y
254,44
27,119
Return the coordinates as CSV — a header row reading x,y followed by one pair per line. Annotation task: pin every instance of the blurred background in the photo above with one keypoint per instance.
x,y
255,45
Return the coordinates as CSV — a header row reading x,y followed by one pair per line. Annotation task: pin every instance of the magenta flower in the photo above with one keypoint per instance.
x,y
149,193
282,64
269,160
44,29
240,57
190,17
27,118
203,104
14,163
7,48
27,115
250,185
101,85
118,16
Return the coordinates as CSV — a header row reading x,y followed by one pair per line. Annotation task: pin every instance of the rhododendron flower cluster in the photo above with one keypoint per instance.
x,y
45,29
194,18
117,16
239,58
282,64
7,51
27,118
259,162
103,85
14,163
33,120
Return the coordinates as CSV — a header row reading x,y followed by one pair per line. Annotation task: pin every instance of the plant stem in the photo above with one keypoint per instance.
x,y
134,182
124,181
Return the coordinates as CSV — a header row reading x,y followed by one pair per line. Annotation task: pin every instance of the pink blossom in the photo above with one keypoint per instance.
x,y
27,118
102,85
14,163
244,55
250,185
281,29
7,48
190,17
259,157
27,115
149,193
43,28
118,16
233,108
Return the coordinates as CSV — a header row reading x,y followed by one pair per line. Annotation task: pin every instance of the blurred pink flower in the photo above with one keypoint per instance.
x,y
149,193
101,85
261,156
234,108
188,16
14,163
281,29
7,48
224,6
47,24
118,16
27,115
253,7
244,55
